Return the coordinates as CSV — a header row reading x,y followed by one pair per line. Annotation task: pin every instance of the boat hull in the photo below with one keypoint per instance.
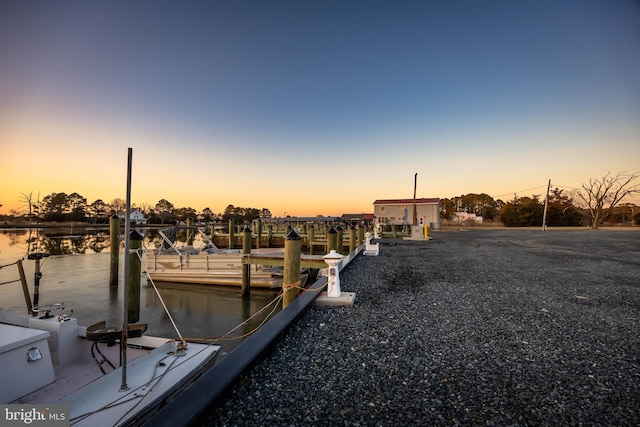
x,y
152,380
258,280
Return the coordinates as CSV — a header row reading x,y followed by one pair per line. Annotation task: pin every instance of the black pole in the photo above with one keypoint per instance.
x,y
37,276
415,209
127,244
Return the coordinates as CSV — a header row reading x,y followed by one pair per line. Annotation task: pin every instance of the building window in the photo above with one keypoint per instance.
x,y
381,209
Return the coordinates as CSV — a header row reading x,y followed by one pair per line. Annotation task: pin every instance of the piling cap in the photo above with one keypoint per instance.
x,y
292,235
333,255
332,230
135,235
247,229
339,228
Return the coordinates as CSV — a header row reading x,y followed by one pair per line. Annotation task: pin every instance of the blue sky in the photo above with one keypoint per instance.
x,y
315,107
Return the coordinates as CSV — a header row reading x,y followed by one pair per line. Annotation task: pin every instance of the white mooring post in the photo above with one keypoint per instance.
x,y
333,285
377,229
370,249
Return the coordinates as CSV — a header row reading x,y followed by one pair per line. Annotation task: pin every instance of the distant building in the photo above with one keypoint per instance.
x,y
136,217
357,219
298,221
465,216
400,212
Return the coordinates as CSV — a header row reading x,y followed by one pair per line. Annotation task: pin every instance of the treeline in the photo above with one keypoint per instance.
x,y
521,211
529,211
61,207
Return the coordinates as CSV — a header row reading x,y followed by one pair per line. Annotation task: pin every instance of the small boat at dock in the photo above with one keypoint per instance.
x,y
51,359
208,264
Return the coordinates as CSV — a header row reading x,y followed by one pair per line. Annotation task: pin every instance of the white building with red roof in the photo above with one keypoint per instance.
x,y
400,211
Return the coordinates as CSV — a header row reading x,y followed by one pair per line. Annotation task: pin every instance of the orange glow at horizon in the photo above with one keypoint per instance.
x,y
47,154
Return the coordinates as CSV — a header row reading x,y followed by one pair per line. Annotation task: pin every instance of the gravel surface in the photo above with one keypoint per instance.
x,y
477,327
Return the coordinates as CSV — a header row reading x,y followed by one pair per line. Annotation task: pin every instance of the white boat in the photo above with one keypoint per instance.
x,y
208,264
53,360
103,376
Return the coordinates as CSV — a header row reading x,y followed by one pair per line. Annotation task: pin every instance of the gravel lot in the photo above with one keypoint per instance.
x,y
478,327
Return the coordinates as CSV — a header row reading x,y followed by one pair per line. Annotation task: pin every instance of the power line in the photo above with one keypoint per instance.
x,y
521,191
566,186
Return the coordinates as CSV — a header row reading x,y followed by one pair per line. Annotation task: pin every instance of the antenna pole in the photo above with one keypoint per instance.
x,y
125,313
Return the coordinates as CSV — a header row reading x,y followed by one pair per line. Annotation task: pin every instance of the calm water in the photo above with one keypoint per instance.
x,y
79,277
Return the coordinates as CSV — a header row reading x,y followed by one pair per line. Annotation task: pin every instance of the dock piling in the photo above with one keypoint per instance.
x,y
339,239
259,233
114,231
291,279
352,238
310,237
190,231
135,271
332,239
231,236
246,268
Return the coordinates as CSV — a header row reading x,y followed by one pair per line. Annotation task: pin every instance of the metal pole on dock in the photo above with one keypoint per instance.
x,y
135,271
125,310
246,268
114,250
291,279
231,236
37,276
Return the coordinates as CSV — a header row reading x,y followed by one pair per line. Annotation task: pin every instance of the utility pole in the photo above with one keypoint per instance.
x,y
546,203
415,209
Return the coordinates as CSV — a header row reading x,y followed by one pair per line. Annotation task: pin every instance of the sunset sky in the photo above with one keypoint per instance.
x,y
315,107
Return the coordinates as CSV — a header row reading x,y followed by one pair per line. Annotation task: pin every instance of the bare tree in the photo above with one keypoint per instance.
x,y
30,205
118,205
601,195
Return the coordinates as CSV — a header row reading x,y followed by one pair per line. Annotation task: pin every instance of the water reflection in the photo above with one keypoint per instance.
x,y
77,274
55,241
16,243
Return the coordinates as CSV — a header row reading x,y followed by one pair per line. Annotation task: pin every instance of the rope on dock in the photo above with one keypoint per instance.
x,y
139,253
296,285
288,286
10,264
13,263
275,302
